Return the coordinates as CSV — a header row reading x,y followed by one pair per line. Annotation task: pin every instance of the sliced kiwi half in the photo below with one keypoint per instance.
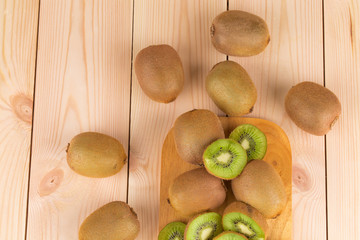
x,y
205,226
225,158
173,231
230,236
242,218
241,223
251,139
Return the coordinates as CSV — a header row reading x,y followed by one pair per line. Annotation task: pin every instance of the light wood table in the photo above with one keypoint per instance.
x,y
66,67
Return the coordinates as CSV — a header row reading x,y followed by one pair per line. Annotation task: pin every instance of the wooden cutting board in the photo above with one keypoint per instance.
x,y
278,154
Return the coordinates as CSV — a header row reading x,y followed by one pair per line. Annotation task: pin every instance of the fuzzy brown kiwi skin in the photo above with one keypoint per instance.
x,y
248,211
224,233
260,186
231,88
96,155
160,72
312,107
239,33
196,191
194,131
113,221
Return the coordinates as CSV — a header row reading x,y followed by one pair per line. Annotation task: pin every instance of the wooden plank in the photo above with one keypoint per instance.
x,y
342,66
18,35
278,154
82,83
294,54
185,25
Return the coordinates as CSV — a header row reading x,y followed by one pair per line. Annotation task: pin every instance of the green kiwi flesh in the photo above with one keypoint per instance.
x,y
230,236
172,231
251,139
239,222
225,158
205,226
243,218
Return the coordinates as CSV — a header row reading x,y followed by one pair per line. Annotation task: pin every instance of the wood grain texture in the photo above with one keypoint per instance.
x,y
18,33
294,54
342,66
185,25
82,83
278,155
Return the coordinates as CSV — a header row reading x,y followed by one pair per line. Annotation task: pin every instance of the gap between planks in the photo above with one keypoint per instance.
x,y
325,150
32,122
131,75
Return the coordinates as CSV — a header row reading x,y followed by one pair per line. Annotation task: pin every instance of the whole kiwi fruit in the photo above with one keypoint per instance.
x,y
239,33
194,131
113,221
95,155
312,107
260,186
242,218
231,88
160,72
196,191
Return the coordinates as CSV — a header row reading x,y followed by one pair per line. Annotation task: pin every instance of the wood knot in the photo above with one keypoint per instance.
x,y
22,106
50,182
301,179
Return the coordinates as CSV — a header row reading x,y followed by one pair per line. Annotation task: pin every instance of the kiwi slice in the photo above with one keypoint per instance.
x,y
205,226
242,218
225,158
172,231
251,139
230,236
241,223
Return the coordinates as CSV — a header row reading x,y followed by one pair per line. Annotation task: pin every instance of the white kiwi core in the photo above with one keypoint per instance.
x,y
206,233
245,144
224,157
245,229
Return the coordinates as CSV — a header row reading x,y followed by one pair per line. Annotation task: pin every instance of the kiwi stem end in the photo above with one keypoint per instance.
x,y
67,148
212,30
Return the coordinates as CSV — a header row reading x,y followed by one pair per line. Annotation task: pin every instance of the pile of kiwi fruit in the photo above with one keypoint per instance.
x,y
258,188
200,140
